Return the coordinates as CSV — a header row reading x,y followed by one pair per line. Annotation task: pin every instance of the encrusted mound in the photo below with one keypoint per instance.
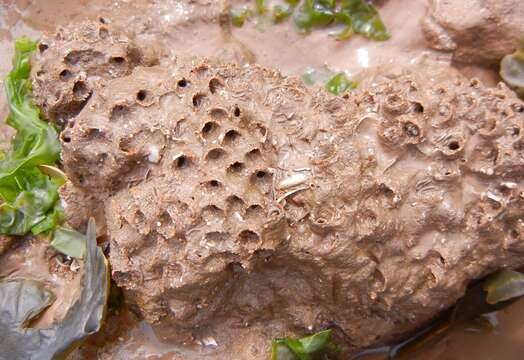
x,y
71,62
236,197
476,31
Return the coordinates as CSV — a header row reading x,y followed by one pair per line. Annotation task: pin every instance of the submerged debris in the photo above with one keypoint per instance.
x,y
347,17
512,69
318,346
335,83
503,286
22,301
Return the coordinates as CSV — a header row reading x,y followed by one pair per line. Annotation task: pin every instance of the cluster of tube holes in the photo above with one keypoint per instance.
x,y
117,64
229,137
252,212
199,98
245,237
259,176
76,58
234,204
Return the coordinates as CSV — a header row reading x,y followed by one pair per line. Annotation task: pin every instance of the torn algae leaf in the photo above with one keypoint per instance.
x,y
314,76
308,77
293,3
28,195
313,347
280,351
281,12
365,19
260,6
51,222
28,201
69,242
353,16
347,16
339,83
29,183
54,173
314,13
239,16
344,30
36,142
504,285
512,69
335,83
21,300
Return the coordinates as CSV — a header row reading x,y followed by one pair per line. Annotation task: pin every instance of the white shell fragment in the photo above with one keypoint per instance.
x,y
292,181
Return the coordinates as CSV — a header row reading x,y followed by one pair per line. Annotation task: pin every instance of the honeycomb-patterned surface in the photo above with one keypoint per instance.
x,y
69,64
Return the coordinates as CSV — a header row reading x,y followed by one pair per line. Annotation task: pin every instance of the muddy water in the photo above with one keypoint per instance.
x,y
291,52
180,30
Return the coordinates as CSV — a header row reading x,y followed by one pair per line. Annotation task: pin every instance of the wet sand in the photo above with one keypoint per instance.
x,y
273,46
